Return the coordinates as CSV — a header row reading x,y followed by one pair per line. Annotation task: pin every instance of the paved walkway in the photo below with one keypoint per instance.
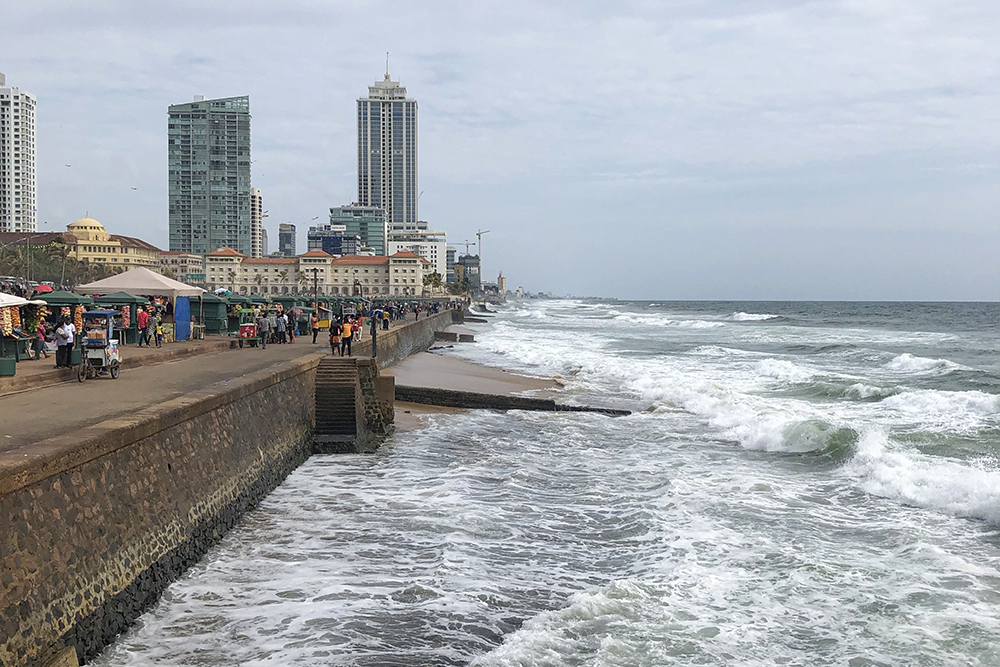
x,y
36,414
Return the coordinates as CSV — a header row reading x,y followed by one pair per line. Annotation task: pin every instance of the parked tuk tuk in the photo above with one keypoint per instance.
x,y
248,327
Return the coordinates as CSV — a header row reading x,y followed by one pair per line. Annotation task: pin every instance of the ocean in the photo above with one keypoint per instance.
x,y
799,484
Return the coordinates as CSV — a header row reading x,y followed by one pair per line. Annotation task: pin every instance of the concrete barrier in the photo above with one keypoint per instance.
x,y
469,399
95,524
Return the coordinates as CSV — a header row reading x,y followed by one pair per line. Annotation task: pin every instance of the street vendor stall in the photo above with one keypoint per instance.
x,y
66,304
141,281
126,322
18,323
212,313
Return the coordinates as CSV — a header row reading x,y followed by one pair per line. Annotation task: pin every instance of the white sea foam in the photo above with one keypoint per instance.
x,y
908,363
887,469
751,317
933,409
781,369
864,391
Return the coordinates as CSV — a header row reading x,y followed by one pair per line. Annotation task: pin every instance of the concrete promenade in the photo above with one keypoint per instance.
x,y
62,407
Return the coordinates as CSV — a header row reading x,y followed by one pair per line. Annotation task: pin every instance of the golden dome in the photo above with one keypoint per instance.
x,y
88,229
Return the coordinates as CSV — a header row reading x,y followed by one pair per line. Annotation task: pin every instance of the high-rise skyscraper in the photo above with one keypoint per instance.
x,y
18,181
387,151
209,175
286,239
256,223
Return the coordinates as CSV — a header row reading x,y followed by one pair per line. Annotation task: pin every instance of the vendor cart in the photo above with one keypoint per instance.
x,y
100,355
248,327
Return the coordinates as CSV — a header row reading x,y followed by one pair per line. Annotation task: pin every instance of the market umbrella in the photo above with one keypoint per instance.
x,y
43,289
7,300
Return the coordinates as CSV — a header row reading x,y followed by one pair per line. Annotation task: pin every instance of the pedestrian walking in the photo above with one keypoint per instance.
x,y
290,327
142,320
150,327
335,338
40,348
314,325
385,320
346,336
263,330
279,327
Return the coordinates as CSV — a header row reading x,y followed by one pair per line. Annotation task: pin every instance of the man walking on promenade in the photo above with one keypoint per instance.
x,y
314,325
346,335
263,330
279,327
142,319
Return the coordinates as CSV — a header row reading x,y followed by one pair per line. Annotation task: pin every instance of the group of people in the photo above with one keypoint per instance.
x,y
150,323
276,328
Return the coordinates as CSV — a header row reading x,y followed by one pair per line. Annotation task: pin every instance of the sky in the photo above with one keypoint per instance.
x,y
696,149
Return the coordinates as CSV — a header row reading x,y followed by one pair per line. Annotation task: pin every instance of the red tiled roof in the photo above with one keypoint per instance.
x,y
361,259
316,252
406,254
270,260
225,251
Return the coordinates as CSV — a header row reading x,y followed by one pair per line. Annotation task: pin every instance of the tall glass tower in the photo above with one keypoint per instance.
x,y
387,151
18,196
208,147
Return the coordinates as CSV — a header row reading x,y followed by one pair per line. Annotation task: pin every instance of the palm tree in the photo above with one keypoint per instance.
x,y
259,278
232,279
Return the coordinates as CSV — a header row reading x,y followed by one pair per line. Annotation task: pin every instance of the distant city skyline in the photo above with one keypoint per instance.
x,y
706,150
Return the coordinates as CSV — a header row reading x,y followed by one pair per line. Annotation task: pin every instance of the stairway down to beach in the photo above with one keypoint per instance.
x,y
337,387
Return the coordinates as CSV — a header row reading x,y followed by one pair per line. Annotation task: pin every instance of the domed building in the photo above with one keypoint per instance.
x,y
90,242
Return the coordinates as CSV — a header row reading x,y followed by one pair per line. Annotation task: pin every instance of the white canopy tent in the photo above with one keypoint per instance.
x,y
140,282
7,300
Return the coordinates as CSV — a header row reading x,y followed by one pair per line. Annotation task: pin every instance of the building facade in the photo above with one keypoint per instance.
x,y
450,264
364,275
333,240
286,239
417,238
387,151
18,179
89,241
183,266
368,223
208,148
256,223
469,271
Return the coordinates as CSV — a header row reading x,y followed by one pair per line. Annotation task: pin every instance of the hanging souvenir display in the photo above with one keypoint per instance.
x,y
15,317
78,318
126,316
5,322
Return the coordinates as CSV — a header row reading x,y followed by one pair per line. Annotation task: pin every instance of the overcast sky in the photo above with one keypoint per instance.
x,y
725,149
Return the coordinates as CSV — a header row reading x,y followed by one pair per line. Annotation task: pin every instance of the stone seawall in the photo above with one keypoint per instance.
x,y
95,524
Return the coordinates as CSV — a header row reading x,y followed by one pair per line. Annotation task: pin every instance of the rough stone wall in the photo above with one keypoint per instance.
x,y
85,551
95,526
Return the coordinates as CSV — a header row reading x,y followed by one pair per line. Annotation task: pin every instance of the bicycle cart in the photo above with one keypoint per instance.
x,y
100,355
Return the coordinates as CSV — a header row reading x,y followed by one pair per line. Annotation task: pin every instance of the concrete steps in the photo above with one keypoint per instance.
x,y
337,389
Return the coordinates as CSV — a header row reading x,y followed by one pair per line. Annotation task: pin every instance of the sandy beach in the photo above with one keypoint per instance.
x,y
427,369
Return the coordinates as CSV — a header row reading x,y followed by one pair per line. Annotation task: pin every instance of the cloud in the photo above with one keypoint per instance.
x,y
542,119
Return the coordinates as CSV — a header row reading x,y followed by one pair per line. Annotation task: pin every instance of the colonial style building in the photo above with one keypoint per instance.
x,y
88,241
183,266
401,274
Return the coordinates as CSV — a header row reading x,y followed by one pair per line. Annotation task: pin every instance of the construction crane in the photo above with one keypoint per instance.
x,y
466,243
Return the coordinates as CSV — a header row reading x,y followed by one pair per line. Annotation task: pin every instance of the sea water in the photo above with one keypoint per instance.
x,y
799,484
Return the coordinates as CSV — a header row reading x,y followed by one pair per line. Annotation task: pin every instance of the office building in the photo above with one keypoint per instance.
x,y
469,271
450,265
366,222
387,151
286,239
417,238
208,147
18,180
333,240
256,223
